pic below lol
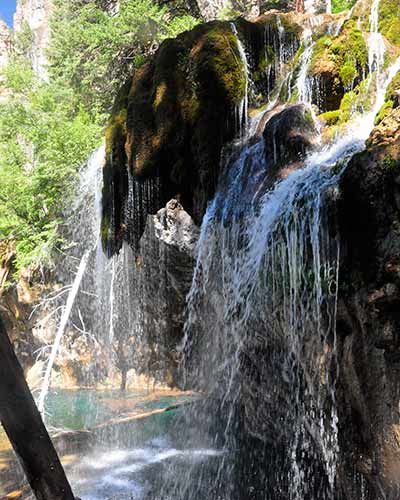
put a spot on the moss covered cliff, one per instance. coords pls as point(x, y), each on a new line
point(171, 121)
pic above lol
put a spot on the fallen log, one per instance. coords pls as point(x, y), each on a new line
point(25, 429)
point(60, 331)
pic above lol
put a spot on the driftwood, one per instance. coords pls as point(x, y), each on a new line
point(60, 331)
point(25, 429)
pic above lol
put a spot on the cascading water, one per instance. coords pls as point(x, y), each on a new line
point(243, 108)
point(260, 334)
point(376, 44)
point(260, 339)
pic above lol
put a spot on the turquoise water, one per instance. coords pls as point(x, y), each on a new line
point(84, 409)
point(124, 459)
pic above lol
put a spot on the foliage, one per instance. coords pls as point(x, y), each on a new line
point(44, 136)
point(341, 5)
point(227, 12)
point(389, 20)
point(49, 128)
point(93, 51)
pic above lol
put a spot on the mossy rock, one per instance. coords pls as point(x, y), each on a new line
point(339, 64)
point(172, 123)
point(341, 5)
point(181, 110)
point(115, 174)
point(392, 100)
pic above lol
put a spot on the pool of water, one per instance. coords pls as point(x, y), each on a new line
point(131, 473)
point(121, 457)
point(84, 409)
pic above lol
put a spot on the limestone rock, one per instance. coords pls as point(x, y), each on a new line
point(166, 263)
point(368, 315)
point(36, 14)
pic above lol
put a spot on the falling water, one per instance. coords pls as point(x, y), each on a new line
point(243, 107)
point(303, 83)
point(260, 338)
point(376, 43)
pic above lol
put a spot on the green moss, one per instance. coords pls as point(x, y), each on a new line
point(393, 90)
point(309, 117)
point(384, 111)
point(115, 130)
point(344, 56)
point(347, 106)
point(341, 5)
point(115, 133)
point(390, 164)
point(320, 51)
point(220, 56)
point(389, 20)
point(330, 117)
point(348, 73)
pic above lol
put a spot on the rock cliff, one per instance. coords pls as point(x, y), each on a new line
point(5, 46)
point(35, 15)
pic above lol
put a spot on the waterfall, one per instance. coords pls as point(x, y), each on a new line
point(260, 337)
point(376, 43)
point(303, 84)
point(259, 345)
point(243, 107)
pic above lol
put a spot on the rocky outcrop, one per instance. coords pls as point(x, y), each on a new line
point(338, 64)
point(213, 9)
point(172, 120)
point(289, 136)
point(35, 15)
point(368, 316)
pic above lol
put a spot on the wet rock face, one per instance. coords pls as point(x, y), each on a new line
point(171, 124)
point(369, 311)
point(171, 121)
point(212, 9)
point(165, 270)
point(289, 135)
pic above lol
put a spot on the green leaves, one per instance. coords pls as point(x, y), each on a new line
point(44, 136)
point(94, 52)
point(48, 129)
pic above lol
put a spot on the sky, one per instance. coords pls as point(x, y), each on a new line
point(7, 9)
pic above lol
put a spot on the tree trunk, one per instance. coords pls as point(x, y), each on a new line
point(26, 431)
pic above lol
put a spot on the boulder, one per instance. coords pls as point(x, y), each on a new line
point(288, 136)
